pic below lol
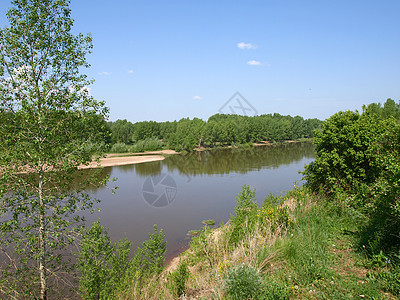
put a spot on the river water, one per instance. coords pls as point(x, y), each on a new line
point(181, 191)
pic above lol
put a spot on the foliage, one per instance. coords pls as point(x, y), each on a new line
point(272, 213)
point(107, 272)
point(152, 253)
point(186, 134)
point(178, 278)
point(119, 148)
point(358, 166)
point(383, 230)
point(245, 217)
point(102, 264)
point(121, 131)
point(359, 155)
point(389, 109)
point(344, 152)
point(189, 134)
point(243, 282)
point(145, 130)
point(148, 144)
point(49, 125)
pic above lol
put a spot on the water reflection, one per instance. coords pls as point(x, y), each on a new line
point(149, 169)
point(225, 161)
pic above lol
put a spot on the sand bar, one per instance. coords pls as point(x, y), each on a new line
point(112, 160)
point(121, 161)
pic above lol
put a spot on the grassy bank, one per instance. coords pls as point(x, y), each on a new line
point(295, 247)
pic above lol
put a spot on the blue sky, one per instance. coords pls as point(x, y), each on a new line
point(165, 60)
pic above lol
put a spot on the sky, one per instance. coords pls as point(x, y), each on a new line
point(166, 60)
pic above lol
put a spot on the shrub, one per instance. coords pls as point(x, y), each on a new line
point(148, 144)
point(245, 218)
point(358, 155)
point(106, 270)
point(178, 278)
point(345, 159)
point(152, 252)
point(243, 282)
point(119, 148)
point(101, 263)
point(272, 213)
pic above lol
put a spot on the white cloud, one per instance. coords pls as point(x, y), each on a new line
point(130, 72)
point(246, 46)
point(197, 98)
point(254, 63)
point(105, 73)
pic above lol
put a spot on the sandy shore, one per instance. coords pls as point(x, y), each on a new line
point(112, 160)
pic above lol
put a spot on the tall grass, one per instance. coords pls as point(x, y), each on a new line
point(301, 248)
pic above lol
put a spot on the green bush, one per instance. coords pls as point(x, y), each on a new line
point(243, 282)
point(358, 155)
point(177, 279)
point(245, 218)
point(106, 270)
point(102, 264)
point(148, 144)
point(344, 148)
point(384, 229)
point(119, 148)
point(151, 253)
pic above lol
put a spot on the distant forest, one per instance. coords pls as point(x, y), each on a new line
point(218, 130)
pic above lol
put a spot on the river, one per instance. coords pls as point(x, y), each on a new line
point(181, 191)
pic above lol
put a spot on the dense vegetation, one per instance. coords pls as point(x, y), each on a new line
point(358, 163)
point(186, 134)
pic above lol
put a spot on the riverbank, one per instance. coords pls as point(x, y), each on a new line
point(306, 248)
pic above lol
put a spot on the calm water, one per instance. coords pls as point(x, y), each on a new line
point(180, 192)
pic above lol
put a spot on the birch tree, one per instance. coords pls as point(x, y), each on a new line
point(49, 125)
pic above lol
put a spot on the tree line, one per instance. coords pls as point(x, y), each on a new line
point(219, 129)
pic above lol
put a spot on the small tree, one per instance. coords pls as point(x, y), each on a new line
point(49, 125)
